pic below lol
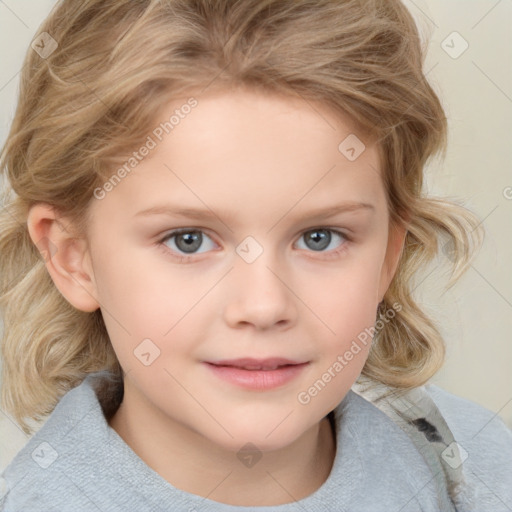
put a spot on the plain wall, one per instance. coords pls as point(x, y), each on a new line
point(476, 90)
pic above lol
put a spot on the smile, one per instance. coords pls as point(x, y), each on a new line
point(257, 374)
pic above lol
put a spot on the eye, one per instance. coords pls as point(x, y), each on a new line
point(187, 241)
point(319, 239)
point(184, 243)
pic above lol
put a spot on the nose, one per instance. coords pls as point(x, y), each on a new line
point(259, 296)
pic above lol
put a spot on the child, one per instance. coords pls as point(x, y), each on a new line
point(169, 163)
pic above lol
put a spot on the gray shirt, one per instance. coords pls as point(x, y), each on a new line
point(77, 463)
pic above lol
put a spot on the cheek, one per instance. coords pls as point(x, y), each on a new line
point(348, 298)
point(352, 323)
point(144, 299)
point(349, 309)
point(135, 284)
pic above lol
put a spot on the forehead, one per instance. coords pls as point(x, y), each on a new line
point(250, 149)
point(284, 125)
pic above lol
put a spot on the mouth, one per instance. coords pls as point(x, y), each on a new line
point(251, 364)
point(257, 374)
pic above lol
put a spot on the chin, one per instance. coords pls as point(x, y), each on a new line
point(264, 437)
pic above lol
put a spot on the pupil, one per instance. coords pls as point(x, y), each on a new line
point(320, 237)
point(189, 242)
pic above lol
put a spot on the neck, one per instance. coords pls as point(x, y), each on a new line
point(206, 469)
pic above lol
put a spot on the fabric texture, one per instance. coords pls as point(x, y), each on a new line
point(76, 462)
point(416, 413)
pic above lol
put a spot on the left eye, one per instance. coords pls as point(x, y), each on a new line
point(187, 242)
point(319, 239)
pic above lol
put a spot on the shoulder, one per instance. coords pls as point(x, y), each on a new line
point(485, 445)
point(40, 476)
point(470, 421)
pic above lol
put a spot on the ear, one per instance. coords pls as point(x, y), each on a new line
point(396, 240)
point(66, 256)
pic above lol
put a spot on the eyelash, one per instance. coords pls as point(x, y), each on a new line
point(188, 258)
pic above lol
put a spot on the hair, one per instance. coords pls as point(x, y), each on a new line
point(96, 96)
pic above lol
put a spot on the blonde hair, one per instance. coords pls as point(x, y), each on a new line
point(96, 96)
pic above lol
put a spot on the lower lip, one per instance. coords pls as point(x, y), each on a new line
point(258, 379)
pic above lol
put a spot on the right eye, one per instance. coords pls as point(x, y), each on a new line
point(186, 241)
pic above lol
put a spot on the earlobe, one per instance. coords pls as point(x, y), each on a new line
point(65, 256)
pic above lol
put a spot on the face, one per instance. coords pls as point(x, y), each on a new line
point(245, 234)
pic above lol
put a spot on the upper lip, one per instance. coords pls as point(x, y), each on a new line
point(250, 363)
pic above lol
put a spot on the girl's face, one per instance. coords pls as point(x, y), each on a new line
point(282, 253)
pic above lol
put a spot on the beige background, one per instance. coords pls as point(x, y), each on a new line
point(476, 89)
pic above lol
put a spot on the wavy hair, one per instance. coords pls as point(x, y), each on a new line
point(95, 97)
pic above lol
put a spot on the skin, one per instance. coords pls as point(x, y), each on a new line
point(260, 163)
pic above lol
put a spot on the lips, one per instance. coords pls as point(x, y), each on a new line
point(257, 374)
point(249, 363)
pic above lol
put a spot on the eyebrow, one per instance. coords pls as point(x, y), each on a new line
point(193, 213)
